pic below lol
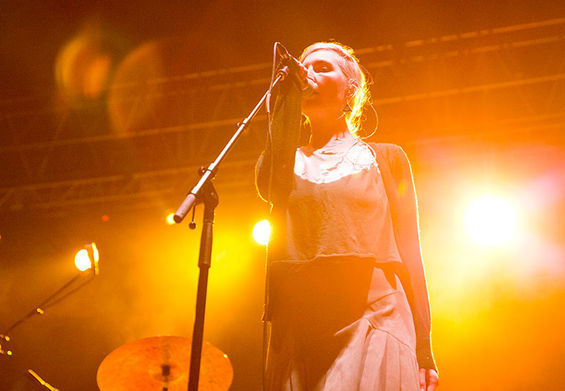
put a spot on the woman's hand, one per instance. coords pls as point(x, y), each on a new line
point(429, 379)
point(302, 71)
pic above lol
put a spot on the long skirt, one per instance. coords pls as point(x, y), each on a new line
point(339, 325)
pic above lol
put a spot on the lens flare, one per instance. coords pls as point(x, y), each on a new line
point(132, 102)
point(83, 66)
point(262, 232)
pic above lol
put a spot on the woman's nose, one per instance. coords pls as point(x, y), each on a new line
point(303, 71)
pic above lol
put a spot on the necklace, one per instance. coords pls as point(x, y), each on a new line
point(336, 146)
point(334, 161)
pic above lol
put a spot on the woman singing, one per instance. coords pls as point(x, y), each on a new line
point(347, 297)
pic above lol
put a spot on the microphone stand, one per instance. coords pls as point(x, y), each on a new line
point(40, 309)
point(48, 302)
point(204, 192)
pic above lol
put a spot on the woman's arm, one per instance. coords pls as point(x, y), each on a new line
point(404, 209)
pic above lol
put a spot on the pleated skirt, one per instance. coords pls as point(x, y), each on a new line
point(341, 325)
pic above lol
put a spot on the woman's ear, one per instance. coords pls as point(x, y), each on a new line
point(351, 89)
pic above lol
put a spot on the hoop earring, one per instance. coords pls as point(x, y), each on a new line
point(370, 104)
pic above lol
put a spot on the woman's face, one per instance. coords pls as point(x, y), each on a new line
point(329, 98)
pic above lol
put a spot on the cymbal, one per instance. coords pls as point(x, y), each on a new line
point(151, 363)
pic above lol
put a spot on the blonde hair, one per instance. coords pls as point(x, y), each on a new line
point(350, 67)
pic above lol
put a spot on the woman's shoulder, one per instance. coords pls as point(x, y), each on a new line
point(387, 147)
point(393, 153)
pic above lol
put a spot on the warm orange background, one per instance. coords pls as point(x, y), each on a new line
point(107, 109)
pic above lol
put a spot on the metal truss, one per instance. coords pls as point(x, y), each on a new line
point(58, 156)
point(118, 191)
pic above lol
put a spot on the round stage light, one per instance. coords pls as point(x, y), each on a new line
point(82, 260)
point(262, 232)
point(490, 221)
point(88, 258)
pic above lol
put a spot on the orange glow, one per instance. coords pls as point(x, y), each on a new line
point(82, 68)
point(96, 75)
point(133, 80)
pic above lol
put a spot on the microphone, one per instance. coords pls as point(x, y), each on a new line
point(307, 86)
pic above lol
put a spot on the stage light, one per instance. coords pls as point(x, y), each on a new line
point(82, 261)
point(171, 219)
point(490, 221)
point(262, 232)
point(87, 258)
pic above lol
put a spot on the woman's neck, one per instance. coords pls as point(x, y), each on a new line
point(326, 131)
